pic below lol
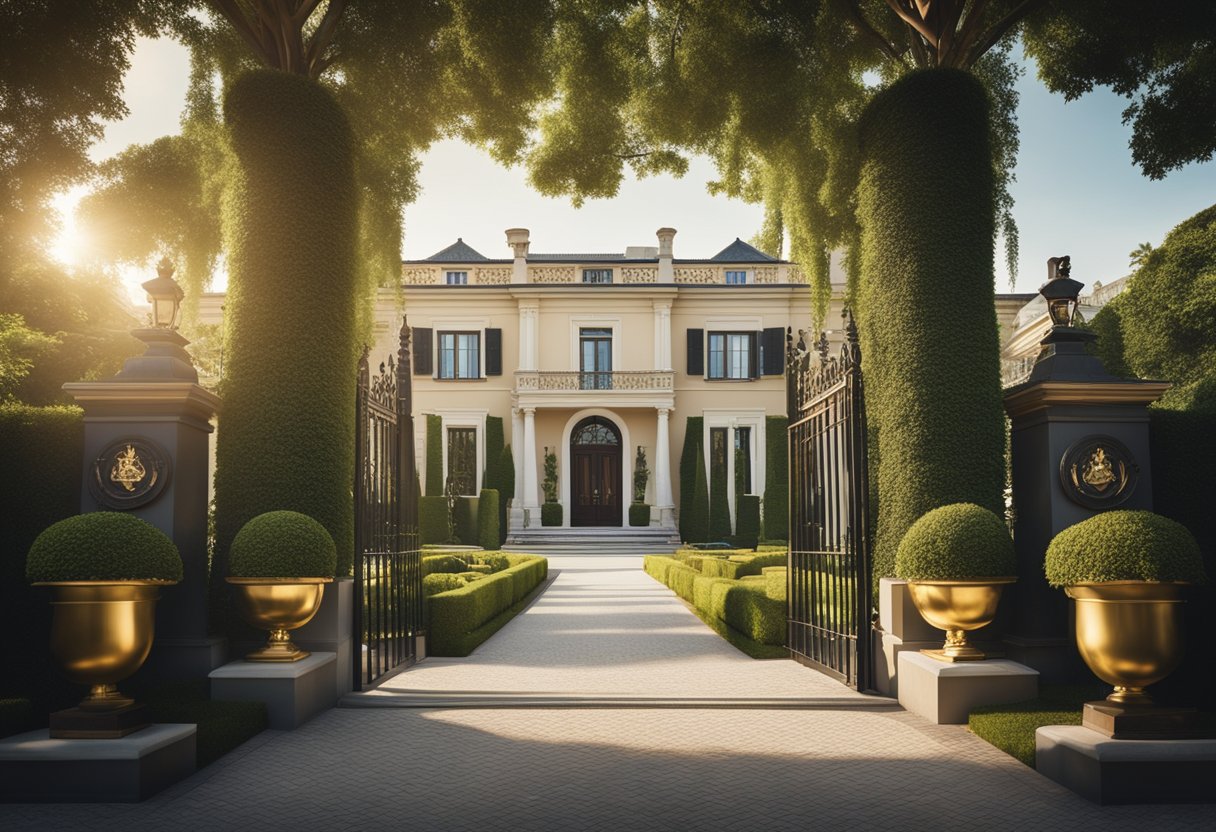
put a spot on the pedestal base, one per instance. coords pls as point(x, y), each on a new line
point(294, 692)
point(81, 724)
point(37, 769)
point(1140, 722)
point(945, 692)
point(1126, 771)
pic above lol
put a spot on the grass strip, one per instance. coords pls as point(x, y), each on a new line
point(1011, 727)
point(222, 726)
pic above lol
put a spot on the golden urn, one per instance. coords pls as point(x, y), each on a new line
point(1129, 633)
point(101, 633)
point(958, 607)
point(279, 605)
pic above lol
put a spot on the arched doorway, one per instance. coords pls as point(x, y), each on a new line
point(595, 473)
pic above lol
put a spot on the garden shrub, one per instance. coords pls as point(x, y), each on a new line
point(222, 726)
point(282, 544)
point(438, 582)
point(551, 514)
point(463, 617)
point(776, 583)
point(434, 455)
point(747, 521)
point(688, 471)
point(443, 563)
point(287, 438)
point(433, 520)
point(103, 546)
point(506, 491)
point(494, 562)
point(956, 542)
point(926, 304)
point(480, 568)
point(487, 519)
point(466, 520)
point(656, 566)
point(639, 514)
point(719, 505)
point(739, 565)
point(472, 576)
point(498, 470)
point(776, 474)
point(1124, 546)
point(697, 525)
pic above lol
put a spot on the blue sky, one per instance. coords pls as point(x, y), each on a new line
point(1076, 193)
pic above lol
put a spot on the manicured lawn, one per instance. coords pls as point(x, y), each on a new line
point(1011, 727)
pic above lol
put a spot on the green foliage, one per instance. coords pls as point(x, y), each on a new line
point(434, 455)
point(494, 562)
point(1011, 727)
point(494, 446)
point(930, 342)
point(19, 347)
point(506, 473)
point(688, 472)
point(437, 582)
point(747, 521)
point(462, 618)
point(698, 522)
point(103, 546)
point(639, 514)
point(443, 563)
point(222, 726)
point(288, 437)
point(1124, 546)
point(282, 544)
point(487, 519)
point(776, 582)
point(776, 477)
point(433, 520)
point(551, 514)
point(1107, 324)
point(549, 485)
point(719, 503)
point(956, 543)
point(737, 566)
point(465, 519)
point(641, 476)
point(497, 476)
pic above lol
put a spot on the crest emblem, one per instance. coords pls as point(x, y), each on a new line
point(128, 473)
point(1098, 472)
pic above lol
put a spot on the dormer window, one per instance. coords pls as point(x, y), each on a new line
point(597, 275)
point(458, 278)
point(735, 278)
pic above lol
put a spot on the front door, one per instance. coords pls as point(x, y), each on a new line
point(595, 471)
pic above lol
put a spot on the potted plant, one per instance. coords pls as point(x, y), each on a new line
point(639, 509)
point(106, 569)
point(956, 560)
point(551, 511)
point(1126, 571)
point(279, 563)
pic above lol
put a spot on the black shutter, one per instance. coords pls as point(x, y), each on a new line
point(493, 352)
point(424, 364)
point(753, 356)
point(696, 352)
point(773, 351)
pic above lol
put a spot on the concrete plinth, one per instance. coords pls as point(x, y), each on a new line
point(945, 692)
point(331, 631)
point(1127, 771)
point(37, 769)
point(294, 692)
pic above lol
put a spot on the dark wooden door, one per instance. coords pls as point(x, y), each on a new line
point(595, 473)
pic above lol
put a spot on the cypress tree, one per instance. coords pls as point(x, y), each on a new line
point(698, 514)
point(688, 470)
point(719, 502)
point(776, 478)
point(434, 455)
point(506, 473)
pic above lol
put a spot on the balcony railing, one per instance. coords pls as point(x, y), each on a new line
point(567, 380)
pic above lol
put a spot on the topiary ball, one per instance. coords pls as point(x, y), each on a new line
point(958, 542)
point(282, 544)
point(1124, 546)
point(103, 546)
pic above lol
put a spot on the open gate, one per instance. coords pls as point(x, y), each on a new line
point(830, 606)
point(388, 559)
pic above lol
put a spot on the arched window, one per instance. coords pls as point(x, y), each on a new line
point(595, 431)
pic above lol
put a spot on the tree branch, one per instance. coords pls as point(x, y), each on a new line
point(322, 38)
point(915, 22)
point(998, 31)
point(853, 10)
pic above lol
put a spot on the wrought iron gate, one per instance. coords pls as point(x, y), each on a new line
point(830, 607)
point(388, 560)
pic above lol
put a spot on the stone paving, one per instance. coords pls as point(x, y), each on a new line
point(609, 768)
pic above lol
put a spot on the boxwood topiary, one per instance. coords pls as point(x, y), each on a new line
point(551, 514)
point(103, 546)
point(957, 542)
point(438, 582)
point(1124, 546)
point(639, 514)
point(282, 544)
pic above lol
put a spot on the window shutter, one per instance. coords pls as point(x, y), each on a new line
point(753, 356)
point(773, 351)
point(493, 352)
point(424, 364)
point(696, 352)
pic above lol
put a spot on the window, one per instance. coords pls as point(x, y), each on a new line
point(732, 354)
point(462, 278)
point(595, 358)
point(597, 275)
point(743, 461)
point(460, 355)
point(462, 460)
point(736, 278)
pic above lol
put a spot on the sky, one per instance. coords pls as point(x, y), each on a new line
point(1076, 193)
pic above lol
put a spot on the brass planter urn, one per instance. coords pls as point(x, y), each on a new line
point(278, 605)
point(958, 607)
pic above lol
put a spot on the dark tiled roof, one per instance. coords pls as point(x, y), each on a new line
point(457, 252)
point(741, 252)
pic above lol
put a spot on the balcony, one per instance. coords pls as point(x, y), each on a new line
point(558, 388)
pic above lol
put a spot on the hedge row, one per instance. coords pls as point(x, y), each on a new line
point(747, 521)
point(487, 519)
point(461, 619)
point(738, 566)
point(776, 478)
point(719, 502)
point(688, 471)
point(433, 520)
point(434, 455)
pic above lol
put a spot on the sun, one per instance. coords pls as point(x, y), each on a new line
point(71, 244)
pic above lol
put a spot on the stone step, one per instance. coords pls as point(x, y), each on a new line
point(478, 700)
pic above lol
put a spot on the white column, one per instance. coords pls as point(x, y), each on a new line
point(662, 471)
point(666, 267)
point(517, 452)
point(662, 335)
point(517, 239)
point(530, 459)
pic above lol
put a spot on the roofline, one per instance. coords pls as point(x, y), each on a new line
point(576, 261)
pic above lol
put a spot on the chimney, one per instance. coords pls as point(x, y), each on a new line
point(517, 239)
point(666, 270)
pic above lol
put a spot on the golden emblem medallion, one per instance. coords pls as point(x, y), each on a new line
point(128, 470)
point(128, 473)
point(1098, 472)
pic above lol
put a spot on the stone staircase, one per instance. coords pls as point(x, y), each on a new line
point(629, 540)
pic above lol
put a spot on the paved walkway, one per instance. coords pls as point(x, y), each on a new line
point(614, 768)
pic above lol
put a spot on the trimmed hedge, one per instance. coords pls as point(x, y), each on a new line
point(697, 525)
point(738, 566)
point(639, 514)
point(222, 726)
point(927, 315)
point(433, 520)
point(103, 546)
point(776, 583)
point(776, 478)
point(286, 437)
point(443, 563)
point(438, 582)
point(434, 455)
point(747, 521)
point(551, 514)
point(1124, 546)
point(466, 520)
point(956, 543)
point(282, 544)
point(506, 492)
point(498, 470)
point(462, 618)
point(487, 519)
point(694, 427)
point(719, 503)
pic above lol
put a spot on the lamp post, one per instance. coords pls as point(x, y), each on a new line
point(1064, 356)
point(165, 358)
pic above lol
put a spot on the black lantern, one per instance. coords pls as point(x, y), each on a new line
point(165, 296)
point(1061, 291)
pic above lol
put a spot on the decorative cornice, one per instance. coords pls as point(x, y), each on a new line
point(1030, 397)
